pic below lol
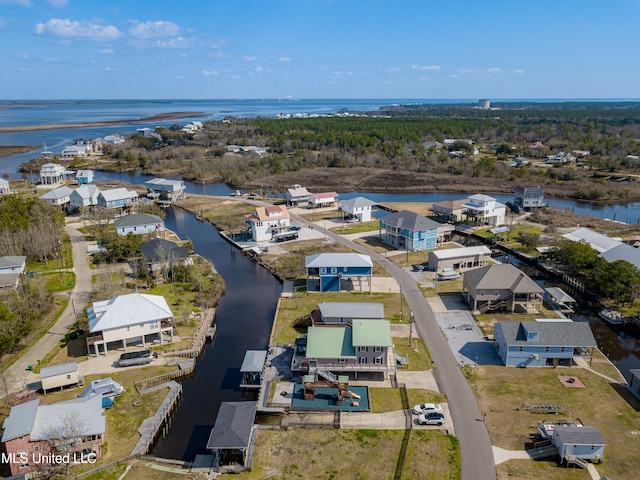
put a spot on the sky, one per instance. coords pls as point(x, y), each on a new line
point(237, 49)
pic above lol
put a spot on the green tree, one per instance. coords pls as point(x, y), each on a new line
point(616, 279)
point(577, 256)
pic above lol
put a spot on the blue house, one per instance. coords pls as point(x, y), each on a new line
point(84, 177)
point(545, 342)
point(335, 272)
point(117, 198)
point(411, 231)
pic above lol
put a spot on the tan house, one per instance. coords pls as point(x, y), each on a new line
point(60, 376)
point(449, 210)
point(501, 287)
point(134, 318)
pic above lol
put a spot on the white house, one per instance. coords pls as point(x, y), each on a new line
point(358, 208)
point(586, 443)
point(4, 186)
point(297, 196)
point(324, 199)
point(139, 224)
point(59, 197)
point(60, 376)
point(84, 196)
point(165, 189)
point(11, 264)
point(127, 319)
point(52, 174)
point(484, 209)
point(79, 149)
point(265, 222)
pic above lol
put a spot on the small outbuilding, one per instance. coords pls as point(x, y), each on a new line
point(60, 376)
point(586, 443)
point(459, 258)
point(231, 436)
point(252, 367)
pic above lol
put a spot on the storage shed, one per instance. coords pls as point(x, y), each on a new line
point(586, 443)
point(60, 376)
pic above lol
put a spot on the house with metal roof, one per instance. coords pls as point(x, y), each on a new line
point(411, 231)
point(134, 318)
point(297, 196)
point(52, 174)
point(336, 272)
point(527, 198)
point(544, 342)
point(12, 264)
point(29, 427)
point(623, 251)
point(344, 313)
point(359, 208)
point(84, 177)
point(139, 224)
point(232, 435)
point(60, 197)
point(323, 199)
point(459, 258)
point(84, 196)
point(252, 368)
point(266, 222)
point(60, 376)
point(501, 287)
point(573, 441)
point(117, 198)
point(597, 241)
point(365, 346)
point(484, 210)
point(166, 190)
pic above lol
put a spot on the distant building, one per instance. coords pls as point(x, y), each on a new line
point(117, 198)
point(12, 264)
point(484, 104)
point(527, 198)
point(359, 208)
point(52, 174)
point(296, 196)
point(139, 224)
point(459, 258)
point(343, 313)
point(324, 199)
point(4, 187)
point(335, 272)
point(60, 197)
point(84, 177)
point(59, 376)
point(449, 210)
point(485, 210)
point(84, 196)
point(411, 231)
point(166, 190)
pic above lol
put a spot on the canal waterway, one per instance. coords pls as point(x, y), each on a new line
point(244, 318)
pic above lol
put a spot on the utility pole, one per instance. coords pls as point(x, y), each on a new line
point(411, 320)
point(400, 303)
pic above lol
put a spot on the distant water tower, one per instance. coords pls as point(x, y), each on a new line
point(484, 103)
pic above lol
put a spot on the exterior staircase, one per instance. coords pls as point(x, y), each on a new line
point(543, 452)
point(495, 306)
point(327, 376)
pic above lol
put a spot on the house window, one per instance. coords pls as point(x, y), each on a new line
point(546, 349)
point(521, 349)
point(334, 270)
point(482, 293)
point(36, 448)
point(342, 360)
point(258, 224)
point(68, 377)
point(363, 360)
point(344, 269)
point(377, 349)
point(323, 270)
point(128, 328)
point(142, 325)
point(563, 349)
point(377, 360)
point(363, 349)
point(154, 324)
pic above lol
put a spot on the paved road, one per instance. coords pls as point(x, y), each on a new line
point(475, 445)
point(18, 376)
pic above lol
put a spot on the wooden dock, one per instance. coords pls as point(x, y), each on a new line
point(206, 331)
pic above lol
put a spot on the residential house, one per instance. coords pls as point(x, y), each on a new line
point(114, 139)
point(52, 174)
point(145, 131)
point(139, 224)
point(78, 149)
point(335, 272)
point(10, 280)
point(12, 264)
point(358, 208)
point(411, 231)
point(126, 319)
point(247, 149)
point(29, 427)
point(4, 187)
point(84, 177)
point(60, 376)
point(596, 240)
point(544, 342)
point(485, 210)
point(252, 368)
point(449, 210)
point(432, 144)
point(527, 198)
point(84, 196)
point(459, 258)
point(232, 434)
point(166, 190)
point(324, 199)
point(265, 222)
point(344, 313)
point(577, 441)
point(161, 255)
point(623, 251)
point(296, 196)
point(60, 197)
point(117, 198)
point(365, 346)
point(451, 141)
point(560, 158)
point(501, 287)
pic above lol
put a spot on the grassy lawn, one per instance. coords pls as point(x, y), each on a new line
point(487, 321)
point(614, 411)
point(293, 312)
point(326, 454)
point(385, 400)
point(359, 227)
point(433, 454)
point(420, 360)
point(420, 395)
point(226, 214)
point(453, 287)
point(374, 243)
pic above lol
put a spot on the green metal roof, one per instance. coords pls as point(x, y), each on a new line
point(330, 342)
point(371, 333)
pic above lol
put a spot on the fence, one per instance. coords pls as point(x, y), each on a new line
point(206, 330)
point(404, 448)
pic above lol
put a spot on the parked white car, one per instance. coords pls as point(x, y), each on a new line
point(431, 418)
point(427, 408)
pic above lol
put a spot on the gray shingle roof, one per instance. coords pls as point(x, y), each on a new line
point(253, 361)
point(137, 219)
point(579, 435)
point(160, 250)
point(338, 260)
point(501, 277)
point(233, 426)
point(358, 202)
point(411, 221)
point(561, 333)
point(360, 310)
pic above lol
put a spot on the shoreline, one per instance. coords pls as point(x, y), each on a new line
point(156, 117)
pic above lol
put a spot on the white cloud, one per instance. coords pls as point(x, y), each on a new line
point(107, 69)
point(217, 43)
point(81, 30)
point(107, 51)
point(494, 70)
point(210, 73)
point(249, 58)
point(394, 69)
point(178, 42)
point(179, 77)
point(284, 58)
point(52, 59)
point(518, 71)
point(24, 70)
point(218, 54)
point(22, 3)
point(147, 30)
point(58, 3)
point(257, 69)
point(426, 68)
point(24, 56)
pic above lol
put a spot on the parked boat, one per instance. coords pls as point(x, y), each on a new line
point(447, 274)
point(611, 316)
point(141, 357)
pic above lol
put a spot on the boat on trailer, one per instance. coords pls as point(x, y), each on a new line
point(611, 316)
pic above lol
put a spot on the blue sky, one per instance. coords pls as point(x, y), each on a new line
point(82, 49)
